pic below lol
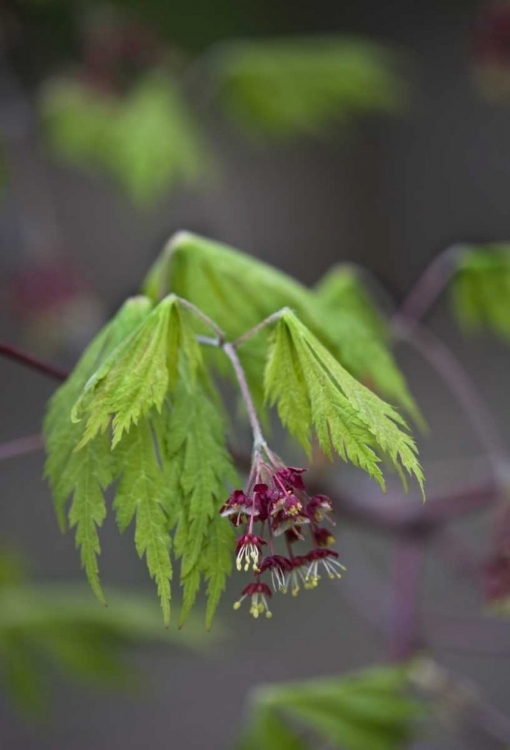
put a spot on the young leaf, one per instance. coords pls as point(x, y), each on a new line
point(59, 624)
point(138, 374)
point(268, 731)
point(141, 491)
point(147, 140)
point(281, 88)
point(361, 335)
point(353, 713)
point(195, 442)
point(217, 563)
point(348, 418)
point(155, 141)
point(84, 476)
point(481, 289)
point(238, 292)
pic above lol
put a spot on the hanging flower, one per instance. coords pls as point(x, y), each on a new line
point(326, 558)
point(248, 551)
point(259, 593)
point(275, 505)
point(279, 568)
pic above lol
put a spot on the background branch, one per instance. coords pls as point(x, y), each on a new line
point(33, 362)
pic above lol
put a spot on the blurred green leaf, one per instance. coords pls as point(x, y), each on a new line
point(367, 711)
point(61, 626)
point(481, 289)
point(147, 141)
point(281, 88)
point(155, 142)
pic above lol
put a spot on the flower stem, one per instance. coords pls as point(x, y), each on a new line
point(209, 322)
point(260, 326)
point(33, 362)
point(258, 437)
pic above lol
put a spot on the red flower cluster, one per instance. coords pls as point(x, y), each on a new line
point(277, 503)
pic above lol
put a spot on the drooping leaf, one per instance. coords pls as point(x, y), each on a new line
point(195, 443)
point(238, 292)
point(361, 335)
point(141, 492)
point(284, 88)
point(348, 418)
point(481, 289)
point(355, 712)
point(138, 374)
point(84, 476)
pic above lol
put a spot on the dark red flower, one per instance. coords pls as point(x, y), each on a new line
point(323, 537)
point(248, 549)
point(259, 593)
point(264, 499)
point(290, 476)
point(318, 507)
point(328, 559)
point(275, 503)
point(279, 568)
point(237, 508)
point(497, 578)
point(296, 577)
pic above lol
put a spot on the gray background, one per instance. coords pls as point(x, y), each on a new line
point(390, 195)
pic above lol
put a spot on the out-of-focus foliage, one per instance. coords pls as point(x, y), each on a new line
point(44, 627)
point(370, 710)
point(147, 141)
point(280, 88)
point(481, 289)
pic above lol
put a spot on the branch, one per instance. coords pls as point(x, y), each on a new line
point(404, 625)
point(21, 446)
point(260, 326)
point(451, 371)
point(428, 288)
point(33, 362)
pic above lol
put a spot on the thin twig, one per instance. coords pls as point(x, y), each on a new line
point(209, 322)
point(259, 327)
point(21, 446)
point(428, 288)
point(258, 437)
point(33, 362)
point(451, 371)
point(403, 636)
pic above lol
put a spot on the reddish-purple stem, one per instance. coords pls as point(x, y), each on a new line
point(21, 446)
point(33, 362)
point(404, 637)
point(428, 288)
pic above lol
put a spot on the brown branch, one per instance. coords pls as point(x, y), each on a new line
point(21, 446)
point(33, 362)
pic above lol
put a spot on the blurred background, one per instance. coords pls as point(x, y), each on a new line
point(305, 134)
